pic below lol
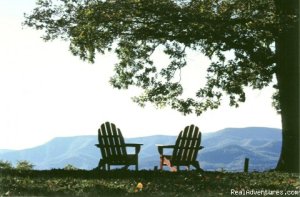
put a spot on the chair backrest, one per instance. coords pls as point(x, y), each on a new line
point(187, 145)
point(111, 141)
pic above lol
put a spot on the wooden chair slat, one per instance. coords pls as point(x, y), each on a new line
point(104, 131)
point(191, 156)
point(116, 139)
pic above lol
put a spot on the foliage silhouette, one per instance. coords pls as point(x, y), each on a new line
point(5, 165)
point(24, 165)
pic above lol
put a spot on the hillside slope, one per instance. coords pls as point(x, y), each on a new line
point(225, 149)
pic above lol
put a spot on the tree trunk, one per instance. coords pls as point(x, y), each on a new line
point(287, 73)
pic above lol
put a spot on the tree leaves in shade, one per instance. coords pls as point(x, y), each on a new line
point(138, 28)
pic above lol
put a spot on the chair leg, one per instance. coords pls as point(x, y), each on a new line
point(101, 165)
point(197, 166)
point(161, 162)
point(137, 165)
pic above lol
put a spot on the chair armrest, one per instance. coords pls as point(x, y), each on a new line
point(98, 145)
point(136, 146)
point(161, 148)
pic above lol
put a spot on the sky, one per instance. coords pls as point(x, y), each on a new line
point(46, 92)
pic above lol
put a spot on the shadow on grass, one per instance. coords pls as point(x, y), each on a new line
point(96, 174)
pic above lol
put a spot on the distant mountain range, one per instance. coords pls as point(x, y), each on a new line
point(224, 150)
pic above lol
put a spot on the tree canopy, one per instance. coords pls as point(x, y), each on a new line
point(134, 29)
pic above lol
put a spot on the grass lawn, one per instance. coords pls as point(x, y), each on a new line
point(146, 183)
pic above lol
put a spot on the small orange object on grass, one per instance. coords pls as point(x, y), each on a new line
point(139, 187)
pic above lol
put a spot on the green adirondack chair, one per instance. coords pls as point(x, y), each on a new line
point(113, 148)
point(185, 150)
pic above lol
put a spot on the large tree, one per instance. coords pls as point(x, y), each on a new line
point(250, 43)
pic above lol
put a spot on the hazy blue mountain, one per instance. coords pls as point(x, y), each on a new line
point(79, 151)
point(225, 149)
point(250, 136)
point(5, 150)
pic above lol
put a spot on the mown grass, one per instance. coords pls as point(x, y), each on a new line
point(154, 183)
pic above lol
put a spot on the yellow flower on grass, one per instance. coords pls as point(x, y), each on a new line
point(139, 187)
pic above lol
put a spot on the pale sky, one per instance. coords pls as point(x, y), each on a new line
point(46, 92)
